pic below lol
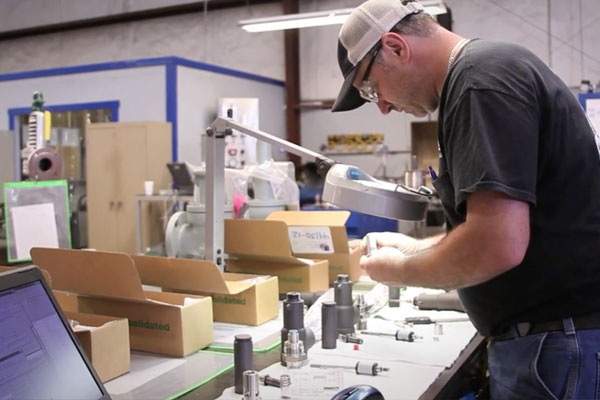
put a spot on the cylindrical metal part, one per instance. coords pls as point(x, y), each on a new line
point(329, 325)
point(294, 355)
point(343, 300)
point(293, 318)
point(394, 296)
point(268, 380)
point(442, 301)
point(286, 386)
point(405, 335)
point(242, 359)
point(366, 368)
point(350, 339)
point(251, 384)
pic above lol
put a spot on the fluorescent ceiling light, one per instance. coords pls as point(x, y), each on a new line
point(319, 18)
point(292, 21)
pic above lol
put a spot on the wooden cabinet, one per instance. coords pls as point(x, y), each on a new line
point(120, 156)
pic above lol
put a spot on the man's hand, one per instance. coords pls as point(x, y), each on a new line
point(384, 265)
point(404, 243)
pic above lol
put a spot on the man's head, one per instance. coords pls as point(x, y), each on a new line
point(370, 44)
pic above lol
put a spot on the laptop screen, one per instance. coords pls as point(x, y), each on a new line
point(38, 357)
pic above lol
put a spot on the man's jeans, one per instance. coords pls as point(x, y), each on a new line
point(550, 365)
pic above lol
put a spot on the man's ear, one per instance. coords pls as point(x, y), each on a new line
point(396, 44)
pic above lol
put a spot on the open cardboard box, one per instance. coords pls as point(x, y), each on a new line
point(105, 341)
point(322, 234)
point(108, 284)
point(237, 298)
point(262, 247)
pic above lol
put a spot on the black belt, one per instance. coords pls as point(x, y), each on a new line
point(589, 321)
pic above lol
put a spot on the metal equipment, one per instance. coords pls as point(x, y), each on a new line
point(362, 312)
point(440, 302)
point(250, 385)
point(329, 325)
point(39, 162)
point(404, 335)
point(293, 319)
point(294, 355)
point(242, 359)
point(345, 185)
point(361, 367)
point(394, 296)
point(428, 320)
point(268, 380)
point(343, 300)
point(350, 339)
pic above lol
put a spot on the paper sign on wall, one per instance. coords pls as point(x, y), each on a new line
point(34, 226)
point(311, 239)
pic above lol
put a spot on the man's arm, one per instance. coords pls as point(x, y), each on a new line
point(492, 240)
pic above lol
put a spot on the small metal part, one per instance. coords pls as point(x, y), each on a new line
point(350, 339)
point(250, 387)
point(361, 367)
point(268, 380)
point(394, 296)
point(293, 351)
point(438, 329)
point(404, 335)
point(371, 244)
point(286, 386)
point(362, 312)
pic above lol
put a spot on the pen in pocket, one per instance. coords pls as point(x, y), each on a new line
point(432, 173)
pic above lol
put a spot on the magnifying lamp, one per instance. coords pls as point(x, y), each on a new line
point(345, 185)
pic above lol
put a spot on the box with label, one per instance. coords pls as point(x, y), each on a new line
point(105, 341)
point(262, 247)
point(237, 298)
point(322, 234)
point(109, 284)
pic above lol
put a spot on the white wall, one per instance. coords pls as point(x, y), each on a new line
point(198, 92)
point(141, 92)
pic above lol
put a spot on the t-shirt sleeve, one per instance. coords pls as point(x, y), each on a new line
point(491, 144)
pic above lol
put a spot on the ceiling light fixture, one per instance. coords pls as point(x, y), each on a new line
point(318, 18)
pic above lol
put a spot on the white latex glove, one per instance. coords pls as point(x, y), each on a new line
point(404, 243)
point(383, 265)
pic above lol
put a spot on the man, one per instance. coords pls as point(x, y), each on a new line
point(519, 179)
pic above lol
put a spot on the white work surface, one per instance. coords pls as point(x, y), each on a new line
point(154, 376)
point(414, 366)
point(264, 336)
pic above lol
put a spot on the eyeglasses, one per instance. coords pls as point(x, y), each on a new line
point(366, 89)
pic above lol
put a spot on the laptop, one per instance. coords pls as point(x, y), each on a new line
point(182, 179)
point(40, 358)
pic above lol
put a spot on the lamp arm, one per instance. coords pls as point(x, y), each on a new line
point(221, 124)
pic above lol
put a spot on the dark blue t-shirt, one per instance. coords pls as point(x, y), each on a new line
point(507, 123)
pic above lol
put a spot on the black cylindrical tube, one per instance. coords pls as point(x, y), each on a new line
point(293, 318)
point(343, 300)
point(242, 359)
point(329, 325)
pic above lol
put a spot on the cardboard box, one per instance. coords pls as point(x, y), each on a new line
point(262, 247)
point(105, 341)
point(329, 225)
point(235, 299)
point(108, 284)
